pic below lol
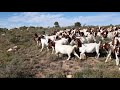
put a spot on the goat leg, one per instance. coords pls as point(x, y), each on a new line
point(117, 59)
point(41, 48)
point(68, 57)
point(37, 43)
point(108, 56)
point(47, 49)
point(98, 54)
point(53, 50)
point(76, 54)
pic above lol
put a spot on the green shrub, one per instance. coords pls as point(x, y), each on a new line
point(14, 40)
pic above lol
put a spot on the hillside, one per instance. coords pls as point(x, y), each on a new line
point(28, 62)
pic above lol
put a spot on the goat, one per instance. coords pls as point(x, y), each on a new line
point(62, 41)
point(44, 42)
point(53, 37)
point(111, 49)
point(51, 44)
point(36, 37)
point(116, 42)
point(88, 48)
point(66, 49)
point(63, 49)
point(90, 38)
point(111, 35)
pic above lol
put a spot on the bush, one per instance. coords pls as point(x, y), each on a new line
point(16, 68)
point(88, 73)
point(77, 24)
point(14, 40)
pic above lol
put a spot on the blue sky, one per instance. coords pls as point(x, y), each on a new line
point(45, 19)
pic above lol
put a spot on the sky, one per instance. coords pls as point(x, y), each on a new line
point(16, 19)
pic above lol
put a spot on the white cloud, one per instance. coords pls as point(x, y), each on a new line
point(47, 19)
point(33, 17)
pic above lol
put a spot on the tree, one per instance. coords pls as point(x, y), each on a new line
point(56, 24)
point(23, 27)
point(77, 24)
point(111, 25)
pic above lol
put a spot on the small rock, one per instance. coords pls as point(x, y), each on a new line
point(69, 76)
point(15, 47)
point(119, 68)
point(3, 34)
point(9, 50)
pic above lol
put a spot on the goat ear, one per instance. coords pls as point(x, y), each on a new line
point(35, 35)
point(39, 38)
point(42, 36)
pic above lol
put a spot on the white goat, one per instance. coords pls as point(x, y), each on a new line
point(99, 35)
point(66, 49)
point(111, 35)
point(62, 41)
point(44, 42)
point(82, 39)
point(87, 39)
point(53, 37)
point(90, 38)
point(90, 48)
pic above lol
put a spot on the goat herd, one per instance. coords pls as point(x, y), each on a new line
point(69, 41)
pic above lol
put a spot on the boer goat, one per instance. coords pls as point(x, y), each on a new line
point(88, 48)
point(63, 49)
point(112, 50)
point(36, 37)
point(44, 42)
point(66, 49)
